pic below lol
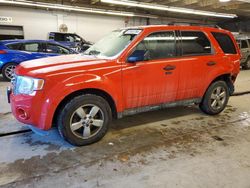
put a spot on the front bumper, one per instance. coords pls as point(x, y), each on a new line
point(28, 109)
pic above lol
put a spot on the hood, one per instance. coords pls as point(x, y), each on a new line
point(58, 64)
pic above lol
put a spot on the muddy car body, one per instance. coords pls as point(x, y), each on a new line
point(131, 70)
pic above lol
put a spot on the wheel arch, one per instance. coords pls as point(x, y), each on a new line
point(228, 78)
point(97, 92)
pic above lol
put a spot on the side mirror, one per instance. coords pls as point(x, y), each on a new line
point(137, 55)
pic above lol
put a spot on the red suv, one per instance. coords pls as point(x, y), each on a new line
point(129, 71)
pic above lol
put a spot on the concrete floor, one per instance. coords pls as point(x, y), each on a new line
point(176, 147)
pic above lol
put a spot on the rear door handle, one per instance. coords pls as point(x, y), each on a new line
point(169, 67)
point(211, 63)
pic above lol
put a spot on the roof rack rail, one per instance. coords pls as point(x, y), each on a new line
point(194, 24)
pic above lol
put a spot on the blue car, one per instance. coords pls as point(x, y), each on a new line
point(13, 52)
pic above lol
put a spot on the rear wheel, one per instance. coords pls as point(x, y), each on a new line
point(8, 71)
point(84, 120)
point(215, 98)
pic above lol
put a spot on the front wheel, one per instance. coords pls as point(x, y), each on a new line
point(215, 98)
point(84, 119)
point(8, 71)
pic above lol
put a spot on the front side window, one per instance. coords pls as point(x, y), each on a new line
point(113, 44)
point(31, 47)
point(56, 49)
point(225, 42)
point(195, 43)
point(158, 45)
point(244, 44)
point(70, 38)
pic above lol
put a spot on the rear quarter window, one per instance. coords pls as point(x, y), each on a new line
point(225, 42)
point(195, 43)
point(15, 46)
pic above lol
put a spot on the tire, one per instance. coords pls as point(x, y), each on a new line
point(210, 103)
point(84, 119)
point(7, 69)
point(246, 65)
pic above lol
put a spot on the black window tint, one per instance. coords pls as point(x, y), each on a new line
point(15, 46)
point(225, 43)
point(158, 45)
point(195, 43)
point(31, 47)
point(56, 49)
point(244, 44)
point(59, 37)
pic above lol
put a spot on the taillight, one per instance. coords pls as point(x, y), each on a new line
point(3, 52)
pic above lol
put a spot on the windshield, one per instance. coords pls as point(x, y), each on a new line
point(113, 43)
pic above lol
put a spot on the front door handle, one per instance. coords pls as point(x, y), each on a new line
point(211, 63)
point(169, 67)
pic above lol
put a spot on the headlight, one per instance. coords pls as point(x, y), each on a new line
point(27, 85)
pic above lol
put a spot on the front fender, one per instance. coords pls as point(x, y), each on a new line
point(62, 89)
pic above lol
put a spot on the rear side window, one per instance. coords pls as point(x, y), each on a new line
point(15, 46)
point(244, 44)
point(225, 43)
point(195, 43)
point(31, 47)
point(59, 37)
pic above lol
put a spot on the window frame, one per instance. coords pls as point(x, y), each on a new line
point(155, 32)
point(191, 55)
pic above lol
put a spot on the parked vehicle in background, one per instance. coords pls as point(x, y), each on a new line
point(70, 40)
point(244, 44)
point(13, 52)
point(129, 71)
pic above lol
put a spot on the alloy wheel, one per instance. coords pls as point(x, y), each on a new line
point(218, 98)
point(9, 71)
point(87, 121)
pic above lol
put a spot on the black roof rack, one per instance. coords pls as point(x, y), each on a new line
point(194, 24)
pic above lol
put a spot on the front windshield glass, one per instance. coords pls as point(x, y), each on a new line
point(113, 44)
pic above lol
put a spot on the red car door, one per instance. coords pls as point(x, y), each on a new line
point(153, 80)
point(197, 59)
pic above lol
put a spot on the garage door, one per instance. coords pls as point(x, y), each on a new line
point(11, 32)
